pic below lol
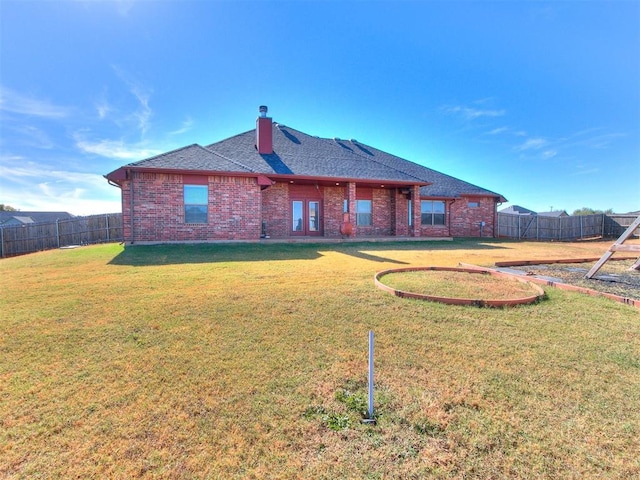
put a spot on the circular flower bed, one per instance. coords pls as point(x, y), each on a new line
point(459, 286)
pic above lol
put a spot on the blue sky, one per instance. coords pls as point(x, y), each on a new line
point(538, 101)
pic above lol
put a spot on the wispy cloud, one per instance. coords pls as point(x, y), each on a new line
point(115, 149)
point(588, 171)
point(187, 125)
point(142, 94)
point(600, 141)
point(15, 102)
point(103, 107)
point(532, 144)
point(124, 6)
point(29, 185)
point(32, 136)
point(471, 113)
point(497, 131)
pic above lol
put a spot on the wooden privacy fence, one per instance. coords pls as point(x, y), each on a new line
point(21, 239)
point(535, 227)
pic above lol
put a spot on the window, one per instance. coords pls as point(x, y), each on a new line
point(432, 212)
point(345, 206)
point(363, 212)
point(195, 203)
point(410, 209)
point(473, 204)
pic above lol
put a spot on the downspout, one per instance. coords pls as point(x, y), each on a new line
point(449, 222)
point(495, 219)
point(130, 175)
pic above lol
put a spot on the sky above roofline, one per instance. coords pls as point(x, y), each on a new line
point(538, 101)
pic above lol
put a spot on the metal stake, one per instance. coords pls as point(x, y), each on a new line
point(371, 418)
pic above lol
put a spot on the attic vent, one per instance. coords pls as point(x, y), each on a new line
point(336, 139)
point(353, 140)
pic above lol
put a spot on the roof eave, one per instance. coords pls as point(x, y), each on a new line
point(121, 174)
point(368, 181)
point(487, 194)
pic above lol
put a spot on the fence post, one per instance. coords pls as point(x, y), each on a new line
point(106, 216)
point(519, 228)
point(581, 234)
point(57, 233)
point(560, 228)
point(1, 242)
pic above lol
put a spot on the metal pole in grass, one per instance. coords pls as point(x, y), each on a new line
point(371, 418)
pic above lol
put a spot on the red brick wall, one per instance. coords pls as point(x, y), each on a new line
point(237, 207)
point(234, 209)
point(466, 218)
point(382, 213)
point(126, 210)
point(275, 210)
point(334, 198)
point(400, 221)
point(463, 220)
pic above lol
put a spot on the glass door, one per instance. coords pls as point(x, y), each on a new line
point(297, 216)
point(305, 217)
point(313, 210)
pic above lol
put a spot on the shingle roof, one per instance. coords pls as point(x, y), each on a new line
point(517, 210)
point(296, 153)
point(192, 157)
point(554, 213)
point(442, 185)
point(23, 218)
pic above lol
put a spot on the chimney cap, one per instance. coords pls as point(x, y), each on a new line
point(263, 110)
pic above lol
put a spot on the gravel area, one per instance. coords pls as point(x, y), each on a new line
point(614, 276)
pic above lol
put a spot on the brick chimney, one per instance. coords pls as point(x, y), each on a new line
point(264, 132)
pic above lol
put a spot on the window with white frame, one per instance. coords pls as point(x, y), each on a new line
point(196, 201)
point(432, 212)
point(363, 212)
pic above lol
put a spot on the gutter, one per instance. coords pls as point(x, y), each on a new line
point(449, 222)
point(112, 183)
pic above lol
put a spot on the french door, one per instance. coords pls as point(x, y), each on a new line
point(306, 217)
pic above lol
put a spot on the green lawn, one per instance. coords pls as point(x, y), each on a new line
point(249, 361)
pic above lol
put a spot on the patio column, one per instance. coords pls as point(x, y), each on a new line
point(401, 207)
point(417, 217)
point(351, 197)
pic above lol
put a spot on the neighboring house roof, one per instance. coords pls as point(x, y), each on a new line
point(555, 213)
point(17, 221)
point(297, 154)
point(10, 218)
point(517, 210)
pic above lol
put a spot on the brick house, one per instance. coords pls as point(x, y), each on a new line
point(278, 182)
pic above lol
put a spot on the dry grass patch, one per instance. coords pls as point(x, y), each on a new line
point(249, 361)
point(459, 284)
